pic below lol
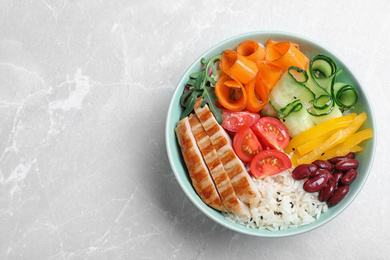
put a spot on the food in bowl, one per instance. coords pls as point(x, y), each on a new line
point(244, 168)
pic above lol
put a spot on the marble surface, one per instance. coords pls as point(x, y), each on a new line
point(84, 91)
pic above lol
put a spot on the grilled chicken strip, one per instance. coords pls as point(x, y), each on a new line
point(198, 171)
point(218, 173)
point(242, 183)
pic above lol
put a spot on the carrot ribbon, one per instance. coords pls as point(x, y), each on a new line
point(258, 69)
point(251, 50)
point(284, 55)
point(268, 75)
point(231, 93)
point(257, 92)
point(238, 67)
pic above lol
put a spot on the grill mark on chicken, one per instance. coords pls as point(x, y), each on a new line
point(198, 171)
point(217, 171)
point(242, 183)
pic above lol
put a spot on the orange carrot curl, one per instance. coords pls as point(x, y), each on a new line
point(284, 55)
point(231, 93)
point(238, 67)
point(268, 75)
point(257, 92)
point(251, 50)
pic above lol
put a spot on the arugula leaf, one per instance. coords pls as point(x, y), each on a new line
point(194, 75)
point(189, 105)
point(209, 99)
point(214, 69)
point(199, 81)
point(213, 81)
point(191, 82)
point(184, 96)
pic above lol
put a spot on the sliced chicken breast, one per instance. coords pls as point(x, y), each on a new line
point(218, 173)
point(198, 171)
point(239, 177)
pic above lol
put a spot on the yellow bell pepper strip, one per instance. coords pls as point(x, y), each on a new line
point(294, 158)
point(337, 138)
point(318, 130)
point(314, 142)
point(356, 149)
point(345, 147)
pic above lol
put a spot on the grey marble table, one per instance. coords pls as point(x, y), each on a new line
point(84, 91)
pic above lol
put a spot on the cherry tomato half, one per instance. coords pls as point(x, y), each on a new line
point(269, 162)
point(245, 144)
point(233, 120)
point(271, 133)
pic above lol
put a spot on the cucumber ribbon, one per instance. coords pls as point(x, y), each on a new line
point(323, 96)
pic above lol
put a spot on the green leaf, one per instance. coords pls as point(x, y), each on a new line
point(199, 81)
point(215, 72)
point(212, 81)
point(191, 82)
point(210, 100)
point(189, 105)
point(211, 89)
point(194, 75)
point(184, 96)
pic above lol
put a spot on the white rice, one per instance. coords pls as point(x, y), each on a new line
point(284, 204)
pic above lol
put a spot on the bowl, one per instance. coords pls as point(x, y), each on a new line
point(310, 48)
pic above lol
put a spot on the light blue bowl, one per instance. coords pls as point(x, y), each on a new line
point(310, 48)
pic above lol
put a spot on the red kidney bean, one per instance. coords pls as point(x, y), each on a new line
point(328, 174)
point(338, 195)
point(317, 183)
point(337, 177)
point(314, 173)
point(349, 176)
point(346, 165)
point(304, 171)
point(336, 159)
point(324, 165)
point(327, 191)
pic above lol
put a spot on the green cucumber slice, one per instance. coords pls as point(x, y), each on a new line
point(345, 95)
point(332, 113)
point(291, 87)
point(296, 118)
point(322, 69)
point(268, 110)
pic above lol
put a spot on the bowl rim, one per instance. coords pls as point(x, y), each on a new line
point(238, 227)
